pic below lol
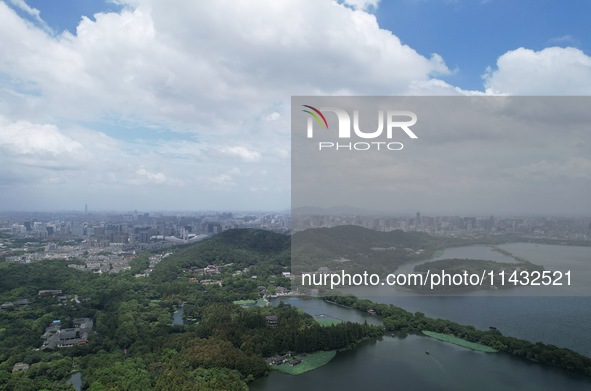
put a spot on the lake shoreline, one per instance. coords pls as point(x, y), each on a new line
point(401, 360)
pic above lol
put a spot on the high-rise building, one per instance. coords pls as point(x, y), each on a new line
point(144, 237)
point(77, 230)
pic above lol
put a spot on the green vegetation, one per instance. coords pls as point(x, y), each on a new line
point(245, 303)
point(135, 346)
point(472, 266)
point(385, 251)
point(502, 251)
point(327, 322)
point(250, 303)
point(459, 341)
point(455, 265)
point(509, 254)
point(309, 362)
point(261, 303)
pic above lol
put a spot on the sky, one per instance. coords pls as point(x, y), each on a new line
point(466, 156)
point(184, 105)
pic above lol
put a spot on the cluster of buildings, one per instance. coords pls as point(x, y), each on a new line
point(8, 305)
point(205, 275)
point(110, 264)
point(55, 336)
point(107, 242)
point(288, 358)
point(105, 229)
point(565, 228)
point(99, 260)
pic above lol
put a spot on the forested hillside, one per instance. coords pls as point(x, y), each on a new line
point(135, 345)
point(356, 248)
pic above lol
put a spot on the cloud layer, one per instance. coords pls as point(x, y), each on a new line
point(191, 101)
point(551, 71)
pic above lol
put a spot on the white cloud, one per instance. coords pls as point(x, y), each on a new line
point(223, 180)
point(574, 168)
point(40, 145)
point(145, 176)
point(274, 116)
point(551, 71)
point(44, 152)
point(436, 87)
point(563, 39)
point(226, 180)
point(220, 76)
point(364, 5)
point(160, 62)
point(243, 153)
point(33, 12)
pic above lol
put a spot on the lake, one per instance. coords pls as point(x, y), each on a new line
point(523, 312)
point(76, 381)
point(560, 320)
point(394, 363)
point(177, 316)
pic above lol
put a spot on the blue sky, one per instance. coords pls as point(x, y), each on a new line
point(66, 14)
point(471, 34)
point(188, 102)
point(468, 34)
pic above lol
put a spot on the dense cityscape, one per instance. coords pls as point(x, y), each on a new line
point(107, 241)
point(555, 228)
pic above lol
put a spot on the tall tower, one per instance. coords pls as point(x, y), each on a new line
point(418, 219)
point(85, 208)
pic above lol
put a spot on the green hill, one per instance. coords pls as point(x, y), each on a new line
point(254, 239)
point(241, 247)
point(357, 248)
point(352, 236)
point(342, 247)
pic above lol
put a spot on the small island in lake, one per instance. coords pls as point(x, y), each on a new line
point(490, 274)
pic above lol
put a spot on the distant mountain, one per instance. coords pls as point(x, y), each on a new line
point(357, 248)
point(356, 237)
point(343, 247)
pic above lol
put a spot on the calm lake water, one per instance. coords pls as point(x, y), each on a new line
point(177, 316)
point(519, 312)
point(576, 259)
point(76, 380)
point(402, 364)
point(394, 363)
